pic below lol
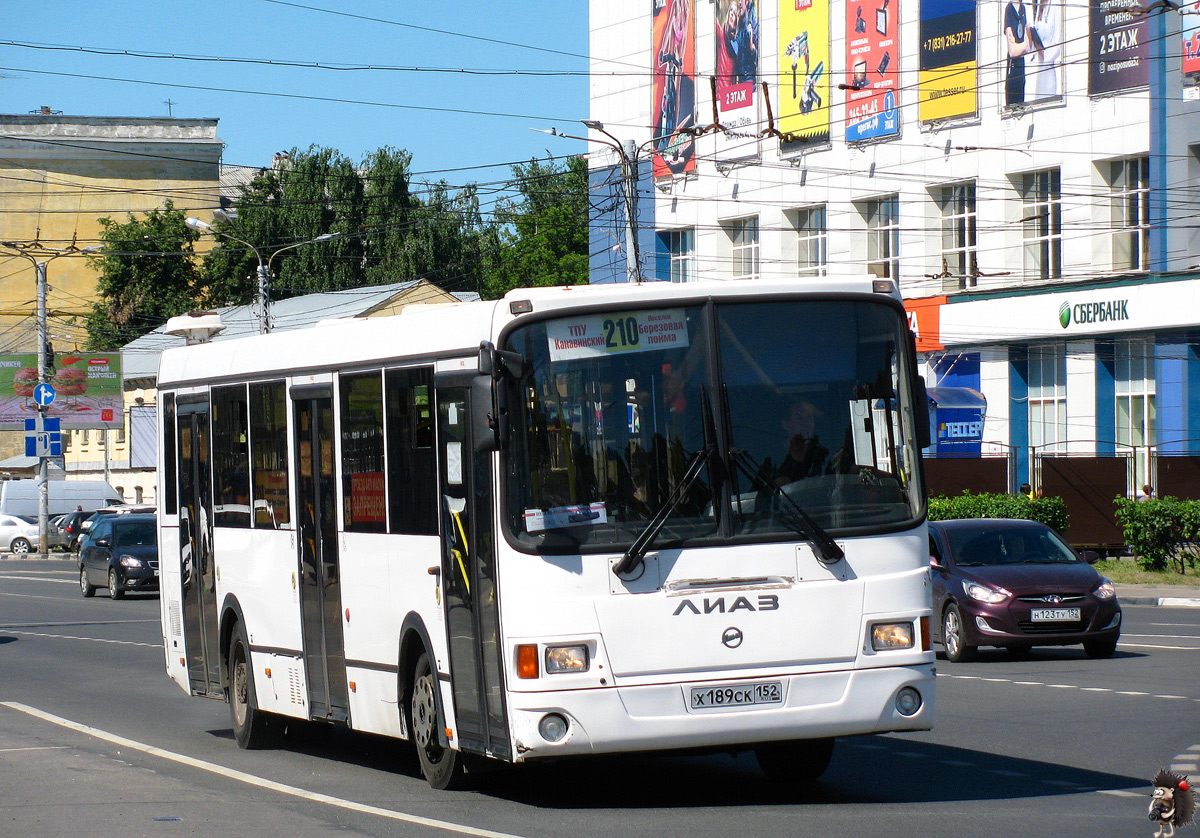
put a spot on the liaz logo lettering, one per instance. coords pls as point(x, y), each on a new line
point(1106, 312)
point(766, 602)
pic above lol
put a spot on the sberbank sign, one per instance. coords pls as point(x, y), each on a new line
point(1109, 311)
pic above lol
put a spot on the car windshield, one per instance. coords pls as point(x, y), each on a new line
point(706, 415)
point(973, 547)
point(134, 534)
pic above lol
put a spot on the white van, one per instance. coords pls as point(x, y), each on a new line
point(20, 497)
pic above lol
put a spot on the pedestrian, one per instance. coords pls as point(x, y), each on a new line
point(1147, 493)
point(1026, 491)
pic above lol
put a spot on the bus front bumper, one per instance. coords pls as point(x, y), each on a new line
point(660, 716)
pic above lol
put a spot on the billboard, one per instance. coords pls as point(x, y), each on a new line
point(737, 77)
point(674, 106)
point(872, 67)
point(949, 65)
point(804, 69)
point(1032, 51)
point(87, 388)
point(1118, 52)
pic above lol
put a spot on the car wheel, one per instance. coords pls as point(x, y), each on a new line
point(442, 767)
point(954, 637)
point(20, 546)
point(1100, 648)
point(252, 728)
point(85, 587)
point(114, 586)
point(800, 761)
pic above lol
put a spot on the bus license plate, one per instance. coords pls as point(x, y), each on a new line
point(763, 693)
point(1054, 615)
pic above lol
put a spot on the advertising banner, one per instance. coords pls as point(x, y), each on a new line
point(804, 69)
point(872, 67)
point(86, 390)
point(674, 62)
point(1032, 50)
point(1190, 18)
point(949, 71)
point(1119, 50)
point(737, 77)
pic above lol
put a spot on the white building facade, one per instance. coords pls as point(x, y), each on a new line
point(1025, 171)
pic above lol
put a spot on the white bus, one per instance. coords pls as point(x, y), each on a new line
point(572, 521)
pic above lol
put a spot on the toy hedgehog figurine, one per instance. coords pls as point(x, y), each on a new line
point(1173, 803)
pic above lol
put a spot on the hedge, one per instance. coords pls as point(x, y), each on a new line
point(1162, 533)
point(1050, 511)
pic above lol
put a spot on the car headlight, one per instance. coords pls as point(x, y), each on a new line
point(566, 659)
point(130, 561)
point(985, 593)
point(1105, 590)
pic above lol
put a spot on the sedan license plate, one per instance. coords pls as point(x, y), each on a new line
point(759, 694)
point(1054, 615)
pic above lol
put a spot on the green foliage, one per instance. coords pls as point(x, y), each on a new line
point(1163, 533)
point(147, 274)
point(1050, 511)
point(543, 237)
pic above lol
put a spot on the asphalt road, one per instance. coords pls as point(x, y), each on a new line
point(94, 739)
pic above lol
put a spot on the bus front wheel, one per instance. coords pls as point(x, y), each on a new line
point(442, 767)
point(799, 761)
point(252, 728)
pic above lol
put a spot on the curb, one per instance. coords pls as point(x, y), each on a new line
point(1164, 601)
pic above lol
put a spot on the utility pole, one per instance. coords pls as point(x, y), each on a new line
point(629, 168)
point(43, 461)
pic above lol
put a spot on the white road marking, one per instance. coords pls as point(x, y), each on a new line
point(1165, 636)
point(42, 748)
point(1122, 793)
point(1149, 646)
point(251, 779)
point(1067, 687)
point(42, 579)
point(72, 637)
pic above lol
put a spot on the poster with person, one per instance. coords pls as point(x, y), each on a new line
point(949, 63)
point(674, 88)
point(1032, 51)
point(872, 69)
point(737, 77)
point(804, 69)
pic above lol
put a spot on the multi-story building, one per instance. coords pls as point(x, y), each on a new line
point(1022, 170)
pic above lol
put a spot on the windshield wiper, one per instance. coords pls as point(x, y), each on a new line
point(827, 550)
point(637, 551)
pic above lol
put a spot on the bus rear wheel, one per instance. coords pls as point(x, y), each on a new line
point(799, 761)
point(441, 767)
point(252, 728)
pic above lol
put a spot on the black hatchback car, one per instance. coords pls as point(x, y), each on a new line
point(1016, 584)
point(121, 554)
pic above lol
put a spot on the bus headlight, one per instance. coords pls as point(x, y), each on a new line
point(566, 659)
point(891, 636)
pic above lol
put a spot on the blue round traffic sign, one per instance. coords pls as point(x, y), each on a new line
point(43, 394)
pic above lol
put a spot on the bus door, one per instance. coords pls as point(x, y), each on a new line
point(317, 549)
point(200, 632)
point(469, 576)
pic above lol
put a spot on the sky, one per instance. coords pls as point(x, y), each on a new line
point(249, 63)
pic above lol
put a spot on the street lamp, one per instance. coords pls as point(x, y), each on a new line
point(628, 153)
point(40, 255)
point(264, 266)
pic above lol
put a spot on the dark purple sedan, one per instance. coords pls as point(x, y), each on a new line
point(1017, 584)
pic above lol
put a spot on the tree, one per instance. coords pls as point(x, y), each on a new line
point(147, 274)
point(542, 237)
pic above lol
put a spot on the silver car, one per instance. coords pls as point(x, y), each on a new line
point(18, 535)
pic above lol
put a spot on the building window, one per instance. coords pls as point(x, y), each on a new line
point(681, 247)
point(1129, 181)
point(882, 217)
point(960, 266)
point(743, 239)
point(1048, 397)
point(137, 494)
point(1041, 222)
point(86, 437)
point(1135, 401)
point(811, 252)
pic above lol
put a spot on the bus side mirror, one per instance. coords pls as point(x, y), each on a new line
point(498, 370)
point(921, 414)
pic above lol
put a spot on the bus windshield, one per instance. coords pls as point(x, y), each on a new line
point(729, 419)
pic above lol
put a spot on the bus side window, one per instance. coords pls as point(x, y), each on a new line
point(231, 456)
point(411, 456)
point(269, 455)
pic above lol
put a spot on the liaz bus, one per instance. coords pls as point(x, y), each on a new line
point(578, 520)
